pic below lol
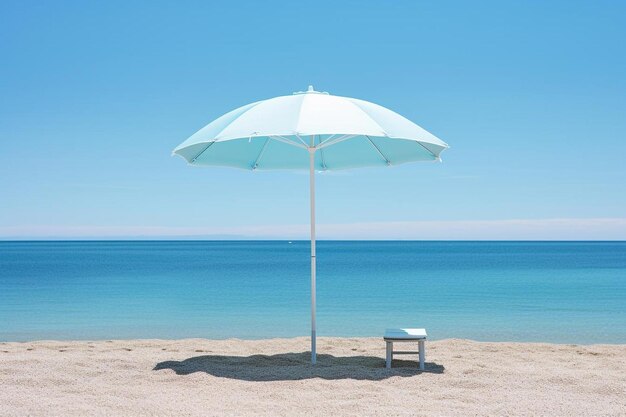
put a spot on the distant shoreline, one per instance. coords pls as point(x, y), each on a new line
point(10, 240)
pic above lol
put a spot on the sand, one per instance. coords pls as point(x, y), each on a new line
point(199, 377)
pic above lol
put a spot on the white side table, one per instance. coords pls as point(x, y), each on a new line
point(406, 335)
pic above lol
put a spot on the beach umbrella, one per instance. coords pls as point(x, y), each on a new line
point(310, 130)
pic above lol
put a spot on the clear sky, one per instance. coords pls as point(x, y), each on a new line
point(531, 96)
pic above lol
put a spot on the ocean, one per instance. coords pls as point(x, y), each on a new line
point(563, 292)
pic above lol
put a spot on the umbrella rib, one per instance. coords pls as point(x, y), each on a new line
point(203, 150)
point(329, 142)
point(327, 139)
point(287, 141)
point(258, 158)
point(322, 158)
point(334, 141)
point(378, 150)
point(427, 150)
point(301, 140)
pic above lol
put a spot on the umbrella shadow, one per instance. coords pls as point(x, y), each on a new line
point(296, 366)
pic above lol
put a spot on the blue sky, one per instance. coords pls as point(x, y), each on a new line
point(530, 95)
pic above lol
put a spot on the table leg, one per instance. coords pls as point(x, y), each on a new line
point(389, 354)
point(422, 347)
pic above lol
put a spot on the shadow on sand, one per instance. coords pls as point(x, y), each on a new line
point(296, 366)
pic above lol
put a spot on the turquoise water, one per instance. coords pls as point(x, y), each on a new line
point(523, 291)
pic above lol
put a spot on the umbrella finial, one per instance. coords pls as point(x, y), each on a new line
point(310, 90)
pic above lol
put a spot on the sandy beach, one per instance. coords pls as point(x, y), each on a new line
point(195, 377)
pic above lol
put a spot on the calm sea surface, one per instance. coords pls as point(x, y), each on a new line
point(572, 292)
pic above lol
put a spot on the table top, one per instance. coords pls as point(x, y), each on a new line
point(405, 334)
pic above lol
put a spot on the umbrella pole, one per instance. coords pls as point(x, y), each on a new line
point(312, 190)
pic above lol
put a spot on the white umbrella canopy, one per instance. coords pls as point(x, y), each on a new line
point(348, 133)
point(315, 131)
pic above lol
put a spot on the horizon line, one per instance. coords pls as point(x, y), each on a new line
point(194, 239)
point(555, 229)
